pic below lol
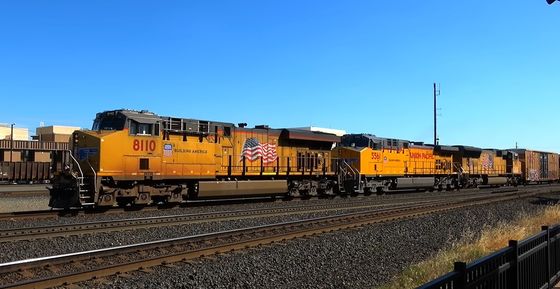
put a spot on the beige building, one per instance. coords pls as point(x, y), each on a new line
point(19, 132)
point(25, 150)
point(56, 133)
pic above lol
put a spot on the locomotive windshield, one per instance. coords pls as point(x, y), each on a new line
point(108, 121)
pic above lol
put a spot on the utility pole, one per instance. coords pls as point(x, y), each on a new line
point(11, 140)
point(436, 93)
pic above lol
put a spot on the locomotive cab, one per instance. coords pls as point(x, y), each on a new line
point(137, 123)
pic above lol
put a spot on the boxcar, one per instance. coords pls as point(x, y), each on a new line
point(538, 166)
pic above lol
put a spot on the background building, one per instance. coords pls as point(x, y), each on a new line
point(56, 133)
point(24, 160)
point(19, 132)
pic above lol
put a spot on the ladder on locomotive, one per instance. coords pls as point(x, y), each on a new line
point(84, 194)
point(346, 172)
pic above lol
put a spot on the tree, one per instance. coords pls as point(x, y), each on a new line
point(550, 1)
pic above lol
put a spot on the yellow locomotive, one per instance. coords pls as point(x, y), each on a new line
point(372, 164)
point(139, 157)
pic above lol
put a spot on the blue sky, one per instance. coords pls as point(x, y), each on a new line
point(362, 66)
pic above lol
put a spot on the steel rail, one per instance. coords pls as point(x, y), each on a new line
point(122, 259)
point(44, 214)
point(29, 233)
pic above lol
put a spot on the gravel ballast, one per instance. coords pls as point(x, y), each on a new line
point(361, 258)
point(60, 245)
point(20, 202)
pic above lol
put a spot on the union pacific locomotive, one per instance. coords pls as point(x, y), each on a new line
point(137, 157)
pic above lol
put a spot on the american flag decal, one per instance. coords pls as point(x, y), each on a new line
point(252, 150)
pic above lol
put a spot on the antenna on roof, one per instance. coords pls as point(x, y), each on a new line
point(437, 92)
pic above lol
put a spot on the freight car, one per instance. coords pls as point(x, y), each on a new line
point(33, 161)
point(538, 166)
point(28, 172)
point(139, 157)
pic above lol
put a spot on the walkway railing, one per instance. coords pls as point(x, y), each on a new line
point(34, 145)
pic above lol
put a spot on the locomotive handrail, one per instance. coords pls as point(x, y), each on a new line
point(94, 177)
point(76, 161)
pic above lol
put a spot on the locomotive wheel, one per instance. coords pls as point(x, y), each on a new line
point(312, 191)
point(142, 199)
point(293, 192)
point(328, 192)
point(106, 200)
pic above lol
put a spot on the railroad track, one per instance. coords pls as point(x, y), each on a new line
point(71, 268)
point(79, 228)
point(47, 214)
point(8, 235)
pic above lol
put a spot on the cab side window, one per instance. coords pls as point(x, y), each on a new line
point(136, 128)
point(133, 127)
point(144, 128)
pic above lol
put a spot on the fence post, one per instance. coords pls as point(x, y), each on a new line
point(461, 268)
point(547, 229)
point(514, 268)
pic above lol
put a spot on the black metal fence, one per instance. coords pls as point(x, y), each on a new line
point(533, 263)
